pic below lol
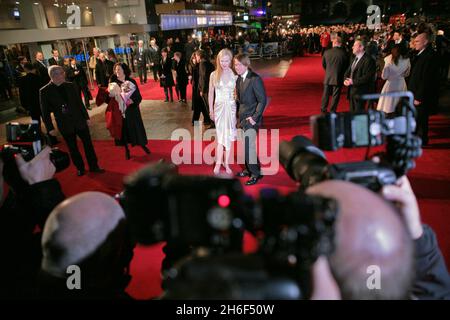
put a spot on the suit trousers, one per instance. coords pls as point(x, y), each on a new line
point(252, 164)
point(200, 107)
point(335, 93)
point(356, 104)
point(142, 70)
point(71, 141)
point(422, 123)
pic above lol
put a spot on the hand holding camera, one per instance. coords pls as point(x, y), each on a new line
point(39, 169)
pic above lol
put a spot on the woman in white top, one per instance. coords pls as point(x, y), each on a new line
point(222, 108)
point(396, 68)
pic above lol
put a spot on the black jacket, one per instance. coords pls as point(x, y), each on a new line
point(363, 75)
point(52, 62)
point(180, 69)
point(154, 55)
point(141, 59)
point(103, 71)
point(424, 79)
point(251, 98)
point(432, 277)
point(204, 72)
point(42, 72)
point(165, 68)
point(79, 79)
point(29, 87)
point(70, 116)
point(335, 63)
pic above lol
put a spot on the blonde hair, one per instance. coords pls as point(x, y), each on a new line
point(219, 70)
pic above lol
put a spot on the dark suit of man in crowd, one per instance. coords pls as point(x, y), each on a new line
point(252, 100)
point(335, 63)
point(62, 99)
point(154, 55)
point(360, 76)
point(55, 60)
point(75, 74)
point(41, 68)
point(29, 86)
point(141, 60)
point(205, 68)
point(103, 70)
point(424, 83)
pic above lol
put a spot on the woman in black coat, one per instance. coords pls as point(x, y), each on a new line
point(133, 131)
point(179, 66)
point(165, 75)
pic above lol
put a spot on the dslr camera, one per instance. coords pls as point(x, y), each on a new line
point(25, 139)
point(306, 163)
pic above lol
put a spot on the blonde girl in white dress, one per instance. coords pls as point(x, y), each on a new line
point(222, 108)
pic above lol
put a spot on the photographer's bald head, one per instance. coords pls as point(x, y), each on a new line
point(368, 232)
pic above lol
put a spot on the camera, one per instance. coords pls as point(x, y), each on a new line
point(306, 163)
point(25, 139)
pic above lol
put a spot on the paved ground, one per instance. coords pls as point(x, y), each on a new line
point(160, 119)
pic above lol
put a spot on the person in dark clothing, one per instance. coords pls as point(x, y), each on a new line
point(179, 66)
point(424, 83)
point(141, 61)
point(62, 99)
point(165, 75)
point(55, 60)
point(335, 63)
point(23, 212)
point(42, 69)
point(133, 130)
point(29, 87)
point(205, 68)
point(198, 104)
point(75, 74)
point(103, 70)
point(154, 58)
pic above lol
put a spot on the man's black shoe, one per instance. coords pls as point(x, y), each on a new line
point(97, 170)
point(146, 150)
point(253, 180)
point(80, 172)
point(243, 174)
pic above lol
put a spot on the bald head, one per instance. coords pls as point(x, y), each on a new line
point(77, 228)
point(369, 232)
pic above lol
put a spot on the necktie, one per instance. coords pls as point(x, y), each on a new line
point(353, 67)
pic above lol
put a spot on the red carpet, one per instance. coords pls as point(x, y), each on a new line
point(293, 100)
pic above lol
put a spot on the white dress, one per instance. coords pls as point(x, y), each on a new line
point(395, 81)
point(225, 110)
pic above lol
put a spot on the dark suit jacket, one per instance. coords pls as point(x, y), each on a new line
point(204, 72)
point(141, 59)
point(103, 71)
point(154, 55)
point(165, 68)
point(180, 68)
point(335, 63)
point(251, 99)
point(29, 87)
point(52, 102)
point(79, 79)
point(424, 80)
point(42, 72)
point(52, 62)
point(363, 75)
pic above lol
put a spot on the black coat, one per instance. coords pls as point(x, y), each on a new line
point(335, 63)
point(180, 68)
point(52, 62)
point(363, 75)
point(79, 79)
point(103, 71)
point(204, 72)
point(69, 119)
point(165, 68)
point(141, 59)
point(29, 87)
point(154, 55)
point(251, 98)
point(42, 72)
point(424, 79)
point(135, 131)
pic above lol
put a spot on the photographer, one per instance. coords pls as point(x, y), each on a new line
point(23, 214)
point(406, 253)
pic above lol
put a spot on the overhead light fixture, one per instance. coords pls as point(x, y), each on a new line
point(36, 3)
point(17, 2)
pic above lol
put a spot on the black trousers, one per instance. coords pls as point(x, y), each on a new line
point(335, 93)
point(356, 104)
point(422, 123)
point(75, 155)
point(168, 91)
point(252, 163)
point(199, 106)
point(181, 88)
point(142, 70)
point(155, 72)
point(86, 94)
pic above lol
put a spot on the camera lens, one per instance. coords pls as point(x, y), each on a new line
point(60, 159)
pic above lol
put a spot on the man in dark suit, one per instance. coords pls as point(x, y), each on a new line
point(41, 68)
point(360, 76)
point(103, 70)
point(141, 61)
point(424, 82)
point(154, 55)
point(29, 86)
point(62, 99)
point(75, 73)
point(335, 63)
point(252, 100)
point(55, 60)
point(205, 68)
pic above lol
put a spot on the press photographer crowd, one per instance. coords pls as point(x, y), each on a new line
point(351, 231)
